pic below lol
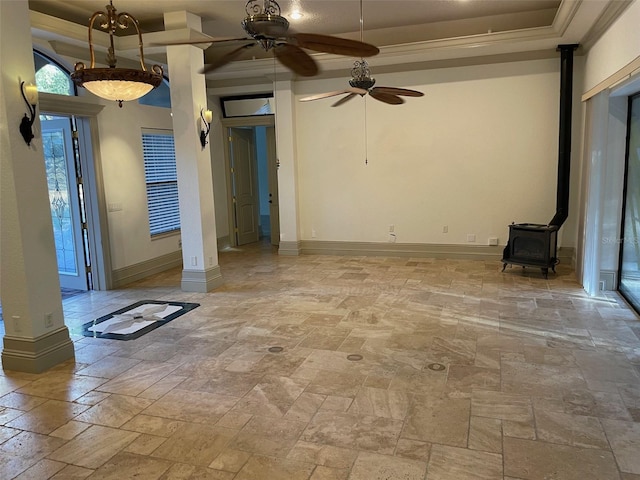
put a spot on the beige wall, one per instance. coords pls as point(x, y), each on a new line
point(124, 181)
point(477, 152)
point(619, 46)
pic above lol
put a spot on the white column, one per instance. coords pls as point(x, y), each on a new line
point(288, 169)
point(201, 272)
point(35, 335)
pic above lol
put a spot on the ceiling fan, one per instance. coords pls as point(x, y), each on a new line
point(270, 30)
point(362, 83)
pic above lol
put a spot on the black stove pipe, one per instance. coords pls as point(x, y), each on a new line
point(564, 141)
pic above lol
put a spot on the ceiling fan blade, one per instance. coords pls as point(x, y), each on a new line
point(296, 59)
point(344, 99)
point(226, 58)
point(336, 45)
point(318, 96)
point(386, 97)
point(398, 91)
point(199, 42)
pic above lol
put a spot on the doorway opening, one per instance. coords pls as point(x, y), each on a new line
point(252, 184)
point(76, 199)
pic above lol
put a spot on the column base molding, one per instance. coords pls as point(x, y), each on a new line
point(201, 281)
point(35, 355)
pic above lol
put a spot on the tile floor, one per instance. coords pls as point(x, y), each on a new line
point(457, 371)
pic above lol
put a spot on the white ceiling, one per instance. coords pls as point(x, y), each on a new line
point(410, 32)
point(221, 18)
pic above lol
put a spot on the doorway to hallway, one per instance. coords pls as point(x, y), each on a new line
point(252, 184)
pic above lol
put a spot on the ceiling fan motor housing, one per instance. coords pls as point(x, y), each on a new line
point(264, 22)
point(265, 26)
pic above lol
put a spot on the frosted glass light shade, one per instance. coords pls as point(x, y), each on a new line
point(119, 84)
point(31, 92)
point(119, 90)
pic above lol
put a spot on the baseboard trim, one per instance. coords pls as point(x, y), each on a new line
point(35, 355)
point(567, 256)
point(609, 279)
point(478, 252)
point(201, 281)
point(133, 273)
point(213, 279)
point(419, 250)
point(223, 242)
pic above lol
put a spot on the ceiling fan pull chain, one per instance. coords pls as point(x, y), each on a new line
point(366, 138)
point(361, 23)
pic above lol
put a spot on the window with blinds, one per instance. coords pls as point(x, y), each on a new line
point(162, 181)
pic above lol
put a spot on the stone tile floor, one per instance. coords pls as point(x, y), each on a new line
point(460, 372)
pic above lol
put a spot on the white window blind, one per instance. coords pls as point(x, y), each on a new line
point(162, 181)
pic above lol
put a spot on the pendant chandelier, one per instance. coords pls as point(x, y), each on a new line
point(112, 83)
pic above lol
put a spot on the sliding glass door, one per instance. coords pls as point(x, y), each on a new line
point(629, 281)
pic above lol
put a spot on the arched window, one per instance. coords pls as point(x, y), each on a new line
point(158, 97)
point(51, 77)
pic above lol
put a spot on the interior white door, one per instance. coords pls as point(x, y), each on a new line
point(64, 198)
point(245, 185)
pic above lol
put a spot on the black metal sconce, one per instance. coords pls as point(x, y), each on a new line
point(30, 95)
point(207, 117)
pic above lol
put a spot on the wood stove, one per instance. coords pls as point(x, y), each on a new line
point(532, 245)
point(535, 245)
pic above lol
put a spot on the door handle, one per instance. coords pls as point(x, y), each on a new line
point(270, 201)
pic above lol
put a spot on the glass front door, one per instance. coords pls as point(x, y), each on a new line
point(629, 281)
point(64, 198)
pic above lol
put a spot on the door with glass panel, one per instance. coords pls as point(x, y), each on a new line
point(65, 201)
point(629, 281)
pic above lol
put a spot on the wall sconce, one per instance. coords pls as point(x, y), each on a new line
point(207, 117)
point(30, 95)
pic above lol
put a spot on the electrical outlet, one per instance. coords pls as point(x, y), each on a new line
point(48, 320)
point(471, 237)
point(493, 240)
point(313, 233)
point(194, 261)
point(392, 238)
point(392, 228)
point(445, 229)
point(16, 322)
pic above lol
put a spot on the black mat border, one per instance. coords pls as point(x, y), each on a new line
point(186, 307)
